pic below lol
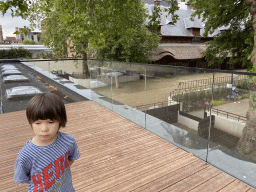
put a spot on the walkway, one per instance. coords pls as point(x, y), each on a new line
point(116, 155)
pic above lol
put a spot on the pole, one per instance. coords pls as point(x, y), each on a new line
point(210, 124)
point(145, 97)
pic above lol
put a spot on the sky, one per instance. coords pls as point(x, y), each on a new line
point(8, 24)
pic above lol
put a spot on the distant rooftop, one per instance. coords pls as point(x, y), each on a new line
point(30, 47)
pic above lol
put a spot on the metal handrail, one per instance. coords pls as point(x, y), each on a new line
point(228, 114)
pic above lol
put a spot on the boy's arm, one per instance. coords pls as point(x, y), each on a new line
point(70, 162)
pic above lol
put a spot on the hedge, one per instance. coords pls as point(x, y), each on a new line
point(15, 53)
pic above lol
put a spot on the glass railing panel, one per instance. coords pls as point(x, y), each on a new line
point(175, 106)
point(128, 91)
point(232, 137)
point(47, 76)
point(100, 82)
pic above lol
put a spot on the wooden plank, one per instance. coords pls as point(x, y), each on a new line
point(120, 177)
point(172, 177)
point(194, 180)
point(121, 166)
point(215, 183)
point(157, 174)
point(116, 155)
point(235, 186)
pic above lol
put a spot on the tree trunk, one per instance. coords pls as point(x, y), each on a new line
point(252, 4)
point(247, 144)
point(85, 65)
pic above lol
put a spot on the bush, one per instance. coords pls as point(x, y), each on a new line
point(28, 42)
point(15, 53)
point(215, 103)
point(246, 95)
point(242, 84)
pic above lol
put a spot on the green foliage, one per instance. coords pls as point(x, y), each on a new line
point(48, 55)
point(247, 95)
point(28, 42)
point(24, 30)
point(154, 19)
point(215, 103)
point(242, 84)
point(177, 97)
point(237, 40)
point(115, 29)
point(18, 7)
point(15, 53)
point(126, 37)
point(203, 95)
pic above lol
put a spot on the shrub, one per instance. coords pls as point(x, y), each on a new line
point(15, 53)
point(246, 95)
point(28, 42)
point(242, 84)
point(215, 103)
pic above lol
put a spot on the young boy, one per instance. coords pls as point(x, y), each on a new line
point(44, 161)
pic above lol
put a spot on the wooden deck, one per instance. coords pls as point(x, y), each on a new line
point(116, 155)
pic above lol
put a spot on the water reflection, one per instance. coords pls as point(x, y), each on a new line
point(192, 141)
point(185, 138)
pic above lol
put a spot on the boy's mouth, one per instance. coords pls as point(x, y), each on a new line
point(44, 136)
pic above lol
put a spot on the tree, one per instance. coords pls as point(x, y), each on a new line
point(127, 38)
point(240, 42)
point(113, 28)
point(237, 40)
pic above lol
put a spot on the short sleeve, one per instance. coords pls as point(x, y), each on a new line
point(74, 153)
point(21, 172)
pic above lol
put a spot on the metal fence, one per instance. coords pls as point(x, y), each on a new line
point(208, 82)
point(228, 115)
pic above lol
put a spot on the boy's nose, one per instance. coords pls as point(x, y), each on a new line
point(44, 128)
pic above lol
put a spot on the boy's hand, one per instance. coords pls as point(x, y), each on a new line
point(70, 162)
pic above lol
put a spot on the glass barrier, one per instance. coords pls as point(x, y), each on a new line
point(175, 106)
point(128, 91)
point(232, 148)
point(208, 114)
point(101, 82)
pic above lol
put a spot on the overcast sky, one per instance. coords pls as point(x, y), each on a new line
point(8, 24)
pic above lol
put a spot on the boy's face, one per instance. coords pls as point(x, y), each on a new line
point(45, 131)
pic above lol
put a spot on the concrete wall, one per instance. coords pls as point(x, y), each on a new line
point(38, 52)
point(83, 82)
point(190, 123)
point(233, 127)
point(65, 66)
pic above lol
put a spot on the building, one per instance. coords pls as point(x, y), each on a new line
point(182, 43)
point(30, 35)
point(12, 40)
point(1, 35)
point(34, 49)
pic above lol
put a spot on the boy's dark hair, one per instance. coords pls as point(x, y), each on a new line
point(46, 106)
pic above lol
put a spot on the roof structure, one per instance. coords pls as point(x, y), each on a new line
point(183, 24)
point(162, 2)
point(30, 47)
point(180, 50)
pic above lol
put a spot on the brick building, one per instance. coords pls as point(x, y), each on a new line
point(182, 43)
point(1, 35)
